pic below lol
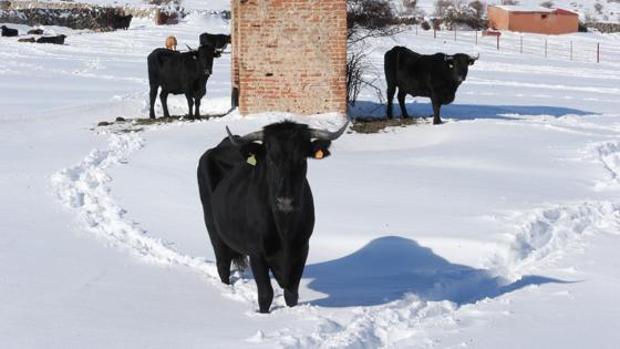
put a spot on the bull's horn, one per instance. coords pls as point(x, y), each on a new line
point(447, 57)
point(327, 135)
point(475, 58)
point(250, 137)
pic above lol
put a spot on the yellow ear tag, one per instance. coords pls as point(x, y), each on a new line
point(251, 160)
point(318, 154)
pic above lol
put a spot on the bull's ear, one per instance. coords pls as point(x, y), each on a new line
point(319, 149)
point(252, 149)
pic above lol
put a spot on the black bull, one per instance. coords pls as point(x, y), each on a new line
point(436, 76)
point(179, 73)
point(257, 203)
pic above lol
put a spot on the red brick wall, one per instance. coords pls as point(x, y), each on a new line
point(290, 55)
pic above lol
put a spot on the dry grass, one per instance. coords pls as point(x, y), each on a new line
point(373, 125)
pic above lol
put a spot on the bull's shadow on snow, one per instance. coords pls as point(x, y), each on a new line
point(387, 268)
point(372, 110)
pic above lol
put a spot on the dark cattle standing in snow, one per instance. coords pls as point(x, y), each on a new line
point(6, 31)
point(35, 32)
point(58, 39)
point(257, 203)
point(436, 76)
point(179, 73)
point(217, 41)
point(121, 21)
point(26, 40)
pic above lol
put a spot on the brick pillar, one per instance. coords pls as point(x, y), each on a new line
point(290, 55)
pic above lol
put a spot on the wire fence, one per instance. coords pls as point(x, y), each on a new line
point(571, 47)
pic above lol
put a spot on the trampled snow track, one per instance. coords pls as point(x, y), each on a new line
point(85, 189)
point(609, 156)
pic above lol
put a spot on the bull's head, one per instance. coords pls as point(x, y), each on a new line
point(280, 152)
point(205, 56)
point(458, 65)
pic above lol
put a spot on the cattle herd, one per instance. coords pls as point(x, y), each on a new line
point(256, 200)
point(56, 39)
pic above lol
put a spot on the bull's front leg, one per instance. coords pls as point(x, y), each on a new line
point(197, 99)
point(163, 96)
point(260, 269)
point(190, 104)
point(291, 292)
point(436, 110)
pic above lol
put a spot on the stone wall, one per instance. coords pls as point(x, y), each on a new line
point(290, 55)
point(604, 27)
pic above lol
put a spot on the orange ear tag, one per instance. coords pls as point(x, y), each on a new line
point(318, 154)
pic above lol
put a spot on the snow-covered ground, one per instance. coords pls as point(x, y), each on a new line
point(499, 228)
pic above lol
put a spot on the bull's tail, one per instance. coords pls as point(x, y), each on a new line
point(240, 262)
point(390, 65)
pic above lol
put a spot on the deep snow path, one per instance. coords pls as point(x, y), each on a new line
point(534, 238)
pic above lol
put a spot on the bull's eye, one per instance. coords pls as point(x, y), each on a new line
point(450, 65)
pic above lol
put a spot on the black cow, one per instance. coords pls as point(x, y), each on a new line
point(257, 203)
point(121, 21)
point(436, 76)
point(58, 39)
point(6, 31)
point(35, 31)
point(179, 73)
point(217, 41)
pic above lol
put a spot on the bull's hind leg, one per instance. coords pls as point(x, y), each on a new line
point(391, 90)
point(401, 102)
point(152, 97)
point(260, 269)
point(223, 257)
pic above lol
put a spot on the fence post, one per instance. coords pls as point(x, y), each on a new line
point(476, 38)
point(497, 42)
point(416, 29)
point(455, 33)
point(598, 52)
point(571, 50)
point(545, 48)
point(434, 32)
point(521, 43)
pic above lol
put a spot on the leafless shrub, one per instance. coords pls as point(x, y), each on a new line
point(367, 19)
point(478, 7)
point(510, 2)
point(598, 7)
point(547, 4)
point(442, 6)
point(162, 2)
point(457, 14)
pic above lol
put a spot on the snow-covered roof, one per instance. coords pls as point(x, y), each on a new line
point(514, 8)
point(538, 9)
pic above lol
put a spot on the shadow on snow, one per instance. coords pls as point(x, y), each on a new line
point(367, 109)
point(389, 267)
